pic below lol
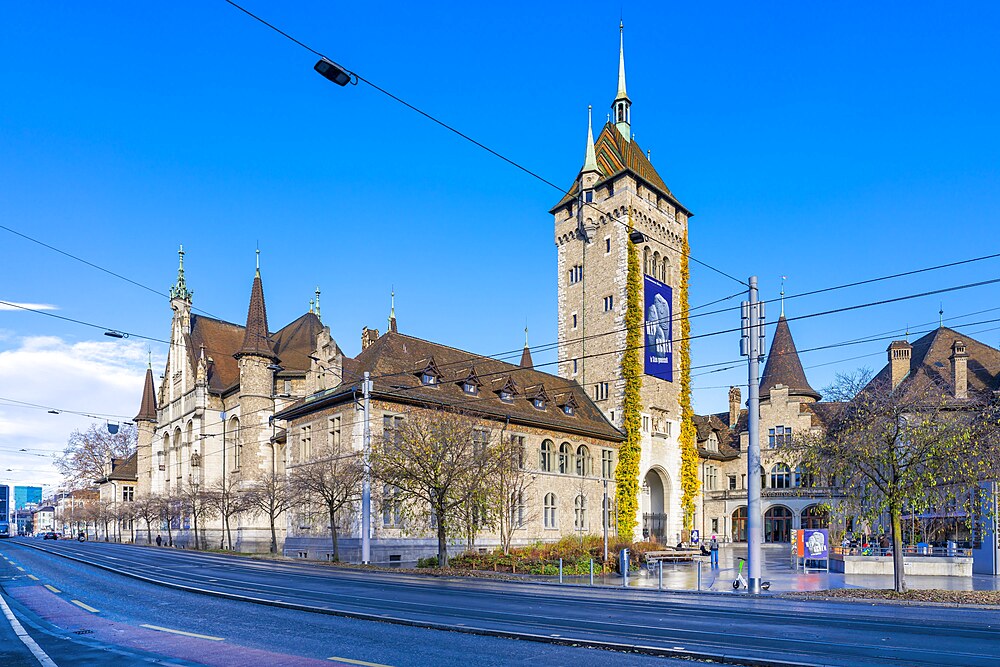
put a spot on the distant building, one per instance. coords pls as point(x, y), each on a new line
point(44, 518)
point(26, 495)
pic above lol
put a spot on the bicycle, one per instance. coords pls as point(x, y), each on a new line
point(741, 580)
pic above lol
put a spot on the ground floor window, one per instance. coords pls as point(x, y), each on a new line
point(814, 517)
point(778, 524)
point(740, 524)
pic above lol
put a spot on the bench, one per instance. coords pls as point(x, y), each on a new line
point(672, 555)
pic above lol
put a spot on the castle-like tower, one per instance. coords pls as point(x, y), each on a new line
point(616, 191)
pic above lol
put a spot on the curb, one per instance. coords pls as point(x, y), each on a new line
point(723, 658)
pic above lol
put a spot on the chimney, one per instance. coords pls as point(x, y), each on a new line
point(960, 369)
point(368, 336)
point(899, 361)
point(735, 400)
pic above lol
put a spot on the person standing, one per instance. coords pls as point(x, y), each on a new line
point(159, 541)
point(713, 549)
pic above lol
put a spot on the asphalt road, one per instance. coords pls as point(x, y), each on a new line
point(765, 630)
point(115, 629)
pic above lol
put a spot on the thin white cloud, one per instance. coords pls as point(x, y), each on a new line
point(15, 305)
point(97, 377)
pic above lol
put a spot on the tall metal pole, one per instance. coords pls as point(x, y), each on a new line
point(604, 520)
point(366, 485)
point(752, 346)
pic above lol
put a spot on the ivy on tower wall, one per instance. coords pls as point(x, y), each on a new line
point(627, 470)
point(690, 484)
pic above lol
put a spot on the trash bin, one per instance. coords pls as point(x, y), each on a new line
point(623, 566)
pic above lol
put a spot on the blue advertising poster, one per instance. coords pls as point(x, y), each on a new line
point(659, 330)
point(816, 544)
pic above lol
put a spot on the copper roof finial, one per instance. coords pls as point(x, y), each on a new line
point(317, 304)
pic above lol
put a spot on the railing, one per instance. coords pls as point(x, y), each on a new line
point(808, 492)
point(909, 551)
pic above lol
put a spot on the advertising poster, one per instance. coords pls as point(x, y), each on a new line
point(816, 543)
point(658, 329)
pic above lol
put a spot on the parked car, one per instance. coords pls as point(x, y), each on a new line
point(51, 535)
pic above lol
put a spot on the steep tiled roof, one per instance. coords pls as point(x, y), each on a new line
point(147, 408)
point(708, 424)
point(124, 471)
point(615, 155)
point(396, 360)
point(256, 337)
point(930, 361)
point(783, 365)
point(294, 343)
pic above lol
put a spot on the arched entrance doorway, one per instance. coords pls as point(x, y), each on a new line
point(654, 516)
point(739, 522)
point(815, 516)
point(778, 524)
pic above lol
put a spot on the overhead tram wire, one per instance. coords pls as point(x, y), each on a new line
point(474, 141)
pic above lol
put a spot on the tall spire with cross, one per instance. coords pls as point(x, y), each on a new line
point(526, 361)
point(622, 104)
point(392, 310)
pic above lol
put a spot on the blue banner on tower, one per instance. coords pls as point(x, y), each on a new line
point(659, 330)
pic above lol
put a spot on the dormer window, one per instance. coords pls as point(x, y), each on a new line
point(713, 442)
point(430, 375)
point(428, 379)
point(506, 396)
point(538, 402)
point(568, 409)
point(469, 381)
point(470, 388)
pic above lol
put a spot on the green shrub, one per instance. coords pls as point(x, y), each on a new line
point(430, 561)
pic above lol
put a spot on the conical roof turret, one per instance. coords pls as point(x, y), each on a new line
point(526, 361)
point(147, 409)
point(257, 339)
point(784, 366)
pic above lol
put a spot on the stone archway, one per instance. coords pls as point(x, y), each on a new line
point(654, 503)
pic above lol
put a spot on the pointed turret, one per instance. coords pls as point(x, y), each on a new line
point(622, 104)
point(590, 159)
point(526, 352)
point(257, 339)
point(147, 408)
point(392, 312)
point(784, 366)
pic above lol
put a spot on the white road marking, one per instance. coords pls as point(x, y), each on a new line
point(52, 588)
point(20, 568)
point(31, 576)
point(81, 605)
point(181, 632)
point(357, 662)
point(41, 656)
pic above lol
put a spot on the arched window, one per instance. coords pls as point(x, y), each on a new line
point(545, 456)
point(549, 517)
point(803, 478)
point(778, 524)
point(781, 476)
point(580, 513)
point(739, 520)
point(665, 270)
point(815, 516)
point(392, 507)
point(235, 442)
point(565, 458)
point(647, 266)
point(655, 269)
point(582, 461)
point(177, 455)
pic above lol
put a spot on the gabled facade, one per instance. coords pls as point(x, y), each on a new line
point(210, 420)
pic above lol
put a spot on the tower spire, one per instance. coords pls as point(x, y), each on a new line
point(622, 103)
point(590, 160)
point(180, 290)
point(526, 361)
point(783, 279)
point(318, 316)
point(257, 338)
point(392, 311)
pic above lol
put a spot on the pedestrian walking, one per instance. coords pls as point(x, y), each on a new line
point(713, 549)
point(159, 541)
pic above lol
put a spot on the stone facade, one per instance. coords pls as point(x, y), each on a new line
point(617, 190)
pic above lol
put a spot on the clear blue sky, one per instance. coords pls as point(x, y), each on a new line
point(826, 142)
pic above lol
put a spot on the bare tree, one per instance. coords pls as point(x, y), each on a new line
point(147, 508)
point(508, 488)
point(331, 479)
point(88, 453)
point(193, 502)
point(272, 497)
point(436, 460)
point(227, 501)
point(908, 449)
point(169, 508)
